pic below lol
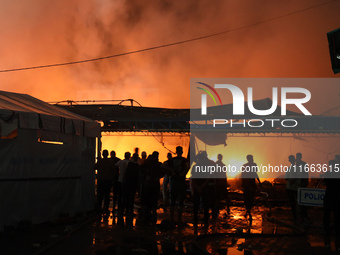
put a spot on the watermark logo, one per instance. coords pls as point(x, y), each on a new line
point(260, 110)
point(239, 101)
point(204, 96)
point(282, 96)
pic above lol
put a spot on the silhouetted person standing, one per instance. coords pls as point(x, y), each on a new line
point(122, 165)
point(141, 161)
point(129, 188)
point(115, 190)
point(203, 189)
point(137, 151)
point(302, 169)
point(180, 168)
point(105, 168)
point(221, 185)
point(292, 185)
point(151, 188)
point(332, 204)
point(166, 181)
point(249, 175)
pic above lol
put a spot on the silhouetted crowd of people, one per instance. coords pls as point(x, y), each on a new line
point(298, 177)
point(139, 177)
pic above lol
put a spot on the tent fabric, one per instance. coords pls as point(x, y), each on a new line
point(34, 114)
point(25, 103)
point(46, 167)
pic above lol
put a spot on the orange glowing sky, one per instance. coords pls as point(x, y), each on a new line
point(47, 32)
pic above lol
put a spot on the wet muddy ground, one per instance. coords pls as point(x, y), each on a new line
point(273, 233)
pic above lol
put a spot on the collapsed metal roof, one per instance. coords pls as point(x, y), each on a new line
point(120, 118)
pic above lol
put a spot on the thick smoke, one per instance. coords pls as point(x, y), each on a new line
point(40, 32)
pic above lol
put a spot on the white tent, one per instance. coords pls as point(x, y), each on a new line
point(46, 160)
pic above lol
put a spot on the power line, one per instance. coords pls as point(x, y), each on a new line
point(164, 45)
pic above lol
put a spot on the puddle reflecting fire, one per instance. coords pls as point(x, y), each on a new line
point(169, 240)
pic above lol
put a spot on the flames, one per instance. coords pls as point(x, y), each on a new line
point(38, 33)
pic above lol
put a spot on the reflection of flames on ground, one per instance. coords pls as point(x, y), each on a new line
point(232, 233)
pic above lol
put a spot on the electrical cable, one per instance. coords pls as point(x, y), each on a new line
point(164, 45)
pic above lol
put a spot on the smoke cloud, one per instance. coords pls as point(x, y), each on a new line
point(43, 32)
point(47, 32)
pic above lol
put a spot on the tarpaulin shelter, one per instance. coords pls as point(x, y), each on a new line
point(46, 160)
